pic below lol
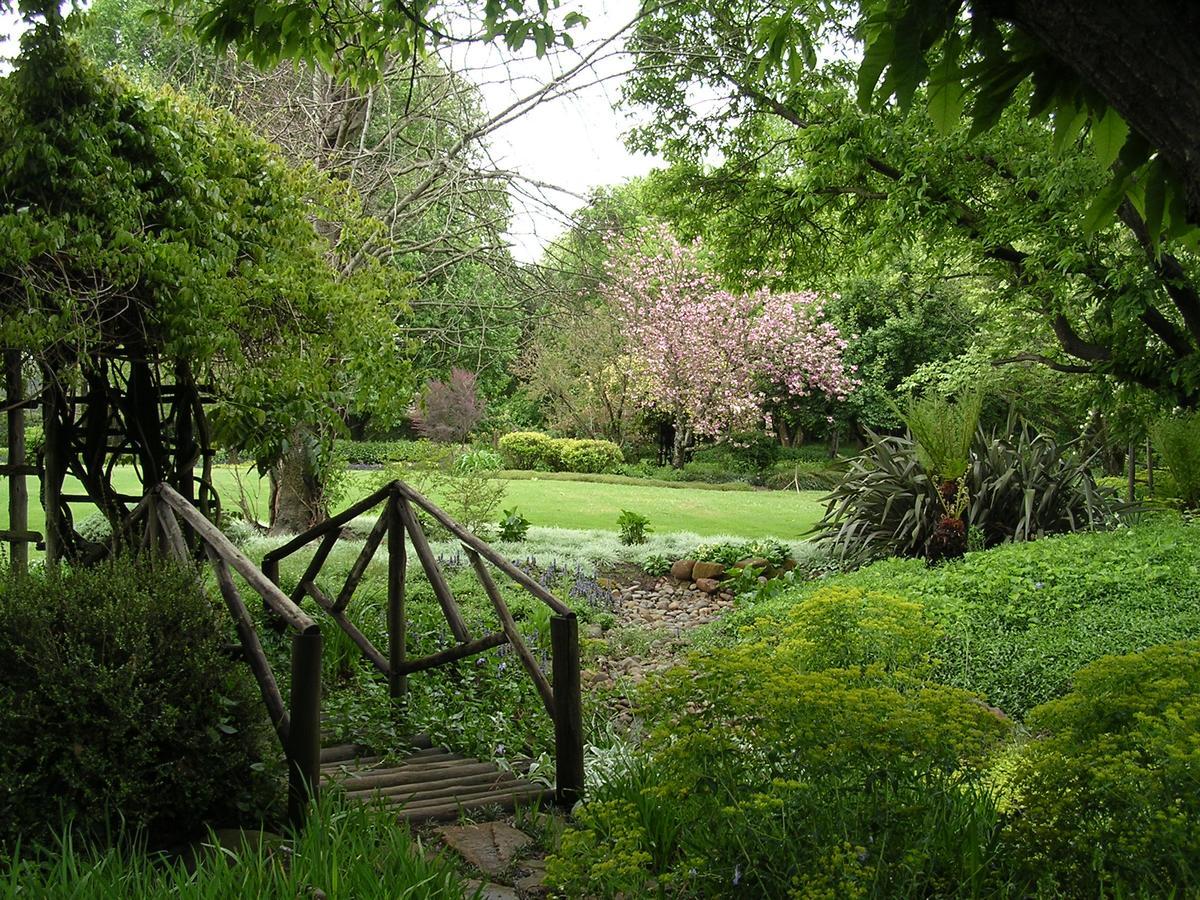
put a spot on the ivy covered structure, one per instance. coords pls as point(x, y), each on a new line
point(170, 285)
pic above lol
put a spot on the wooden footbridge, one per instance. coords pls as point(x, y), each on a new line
point(432, 782)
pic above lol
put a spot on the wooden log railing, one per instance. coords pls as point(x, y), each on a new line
point(561, 694)
point(164, 519)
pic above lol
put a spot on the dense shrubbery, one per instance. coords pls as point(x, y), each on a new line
point(119, 707)
point(1178, 440)
point(1018, 486)
point(533, 450)
point(1107, 792)
point(816, 767)
point(527, 450)
point(826, 759)
point(382, 453)
point(1021, 619)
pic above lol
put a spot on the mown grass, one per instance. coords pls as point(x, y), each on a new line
point(550, 502)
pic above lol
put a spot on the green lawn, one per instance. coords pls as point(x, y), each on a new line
point(562, 504)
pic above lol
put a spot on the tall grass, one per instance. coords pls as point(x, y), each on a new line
point(345, 851)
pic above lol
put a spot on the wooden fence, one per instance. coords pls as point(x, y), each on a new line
point(560, 696)
point(166, 523)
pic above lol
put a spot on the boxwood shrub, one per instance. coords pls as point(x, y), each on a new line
point(540, 452)
point(527, 450)
point(120, 709)
point(586, 455)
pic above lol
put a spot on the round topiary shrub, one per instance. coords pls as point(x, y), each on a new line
point(587, 456)
point(528, 450)
point(119, 708)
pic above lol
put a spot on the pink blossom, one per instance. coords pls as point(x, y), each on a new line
point(710, 358)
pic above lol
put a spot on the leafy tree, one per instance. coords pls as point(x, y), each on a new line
point(572, 365)
point(895, 328)
point(146, 236)
point(1123, 72)
point(573, 368)
point(365, 40)
point(809, 180)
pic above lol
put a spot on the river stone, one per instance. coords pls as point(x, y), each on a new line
point(491, 891)
point(682, 569)
point(763, 566)
point(489, 846)
point(707, 570)
point(708, 585)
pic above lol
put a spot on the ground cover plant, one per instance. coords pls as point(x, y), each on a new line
point(1088, 787)
point(1019, 620)
point(1107, 792)
point(820, 759)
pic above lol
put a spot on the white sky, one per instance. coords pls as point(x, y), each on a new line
point(572, 142)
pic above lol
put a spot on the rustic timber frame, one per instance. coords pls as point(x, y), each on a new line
point(399, 519)
point(117, 405)
point(165, 523)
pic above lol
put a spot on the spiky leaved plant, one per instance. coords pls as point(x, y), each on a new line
point(943, 430)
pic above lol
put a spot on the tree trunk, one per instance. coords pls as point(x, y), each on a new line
point(297, 503)
point(681, 445)
point(1142, 58)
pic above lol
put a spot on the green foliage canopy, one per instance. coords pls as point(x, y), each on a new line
point(809, 180)
point(138, 222)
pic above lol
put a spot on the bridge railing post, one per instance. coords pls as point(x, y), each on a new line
point(396, 622)
point(304, 734)
point(568, 710)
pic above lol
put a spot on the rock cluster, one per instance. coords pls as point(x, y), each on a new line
point(672, 604)
point(669, 608)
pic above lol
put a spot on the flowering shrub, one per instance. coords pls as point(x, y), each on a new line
point(711, 359)
point(861, 777)
point(1108, 796)
point(448, 411)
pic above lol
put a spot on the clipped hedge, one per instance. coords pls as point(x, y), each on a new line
point(593, 457)
point(383, 453)
point(120, 709)
point(527, 450)
point(539, 452)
